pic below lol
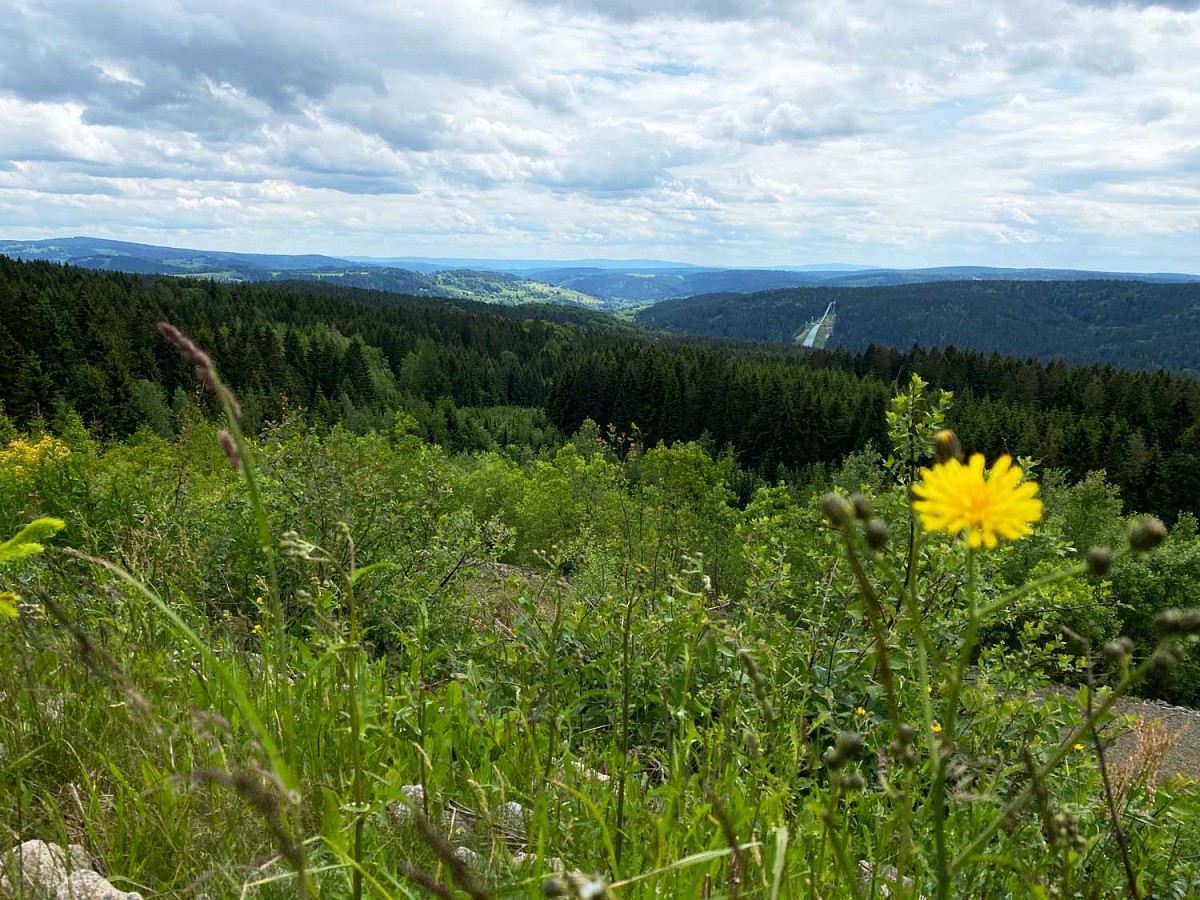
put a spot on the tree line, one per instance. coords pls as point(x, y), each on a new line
point(86, 340)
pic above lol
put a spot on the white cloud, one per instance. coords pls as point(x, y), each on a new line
point(1033, 132)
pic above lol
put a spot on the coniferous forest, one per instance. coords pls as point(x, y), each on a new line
point(313, 591)
point(86, 340)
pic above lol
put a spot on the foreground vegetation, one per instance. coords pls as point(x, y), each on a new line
point(328, 663)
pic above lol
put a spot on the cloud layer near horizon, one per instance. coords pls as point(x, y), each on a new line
point(730, 131)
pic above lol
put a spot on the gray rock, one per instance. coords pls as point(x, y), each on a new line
point(511, 816)
point(36, 866)
point(400, 812)
point(88, 885)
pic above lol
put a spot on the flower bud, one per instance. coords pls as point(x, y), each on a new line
point(850, 743)
point(853, 782)
point(862, 506)
point(837, 510)
point(833, 759)
point(906, 734)
point(1177, 622)
point(877, 534)
point(1169, 656)
point(1099, 561)
point(1119, 647)
point(1147, 534)
point(947, 446)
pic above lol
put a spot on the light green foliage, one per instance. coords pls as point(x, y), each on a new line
point(596, 631)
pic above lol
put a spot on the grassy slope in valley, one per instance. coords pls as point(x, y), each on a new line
point(1125, 323)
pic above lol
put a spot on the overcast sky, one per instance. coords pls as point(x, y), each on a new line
point(739, 132)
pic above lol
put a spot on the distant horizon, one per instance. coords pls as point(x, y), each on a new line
point(566, 262)
point(1062, 134)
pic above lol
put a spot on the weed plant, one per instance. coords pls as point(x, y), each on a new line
point(336, 665)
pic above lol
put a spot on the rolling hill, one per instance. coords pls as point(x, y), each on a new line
point(1133, 324)
point(147, 259)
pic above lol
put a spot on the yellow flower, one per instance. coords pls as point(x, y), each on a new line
point(257, 629)
point(23, 457)
point(937, 729)
point(956, 498)
point(929, 688)
point(1079, 746)
point(859, 711)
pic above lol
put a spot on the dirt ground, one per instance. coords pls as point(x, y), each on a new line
point(1182, 723)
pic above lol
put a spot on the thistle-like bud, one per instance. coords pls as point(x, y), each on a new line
point(833, 759)
point(905, 735)
point(1169, 655)
point(850, 743)
point(1147, 534)
point(837, 510)
point(853, 781)
point(947, 446)
point(877, 534)
point(1099, 561)
point(1119, 647)
point(863, 509)
point(1177, 622)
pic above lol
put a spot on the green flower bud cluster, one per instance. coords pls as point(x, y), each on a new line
point(1147, 534)
point(846, 749)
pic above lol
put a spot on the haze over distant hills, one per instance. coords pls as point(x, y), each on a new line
point(606, 283)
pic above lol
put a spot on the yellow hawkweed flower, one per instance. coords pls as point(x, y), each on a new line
point(1079, 746)
point(937, 729)
point(954, 497)
point(859, 711)
point(257, 629)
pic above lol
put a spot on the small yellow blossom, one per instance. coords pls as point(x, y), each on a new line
point(937, 729)
point(929, 688)
point(954, 497)
point(257, 629)
point(859, 711)
point(23, 457)
point(1079, 746)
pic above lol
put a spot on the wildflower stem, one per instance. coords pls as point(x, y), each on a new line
point(1065, 746)
point(875, 618)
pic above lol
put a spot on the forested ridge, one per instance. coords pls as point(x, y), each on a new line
point(1133, 324)
point(89, 339)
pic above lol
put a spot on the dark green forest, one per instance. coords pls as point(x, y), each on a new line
point(1132, 324)
point(84, 340)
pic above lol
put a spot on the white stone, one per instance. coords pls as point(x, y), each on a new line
point(35, 866)
point(511, 815)
point(87, 885)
